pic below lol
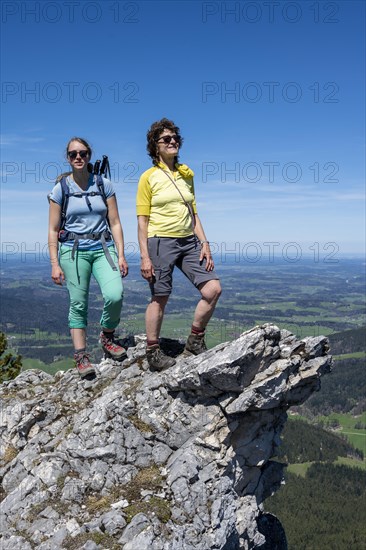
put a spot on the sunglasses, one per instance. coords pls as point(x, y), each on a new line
point(73, 154)
point(168, 139)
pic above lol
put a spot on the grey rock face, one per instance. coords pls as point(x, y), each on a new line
point(179, 460)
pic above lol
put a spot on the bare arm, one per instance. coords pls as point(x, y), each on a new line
point(147, 269)
point(117, 232)
point(205, 250)
point(53, 228)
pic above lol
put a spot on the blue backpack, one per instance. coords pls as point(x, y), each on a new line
point(64, 235)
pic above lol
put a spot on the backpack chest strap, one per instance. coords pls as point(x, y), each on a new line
point(86, 195)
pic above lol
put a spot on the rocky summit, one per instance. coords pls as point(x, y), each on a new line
point(135, 460)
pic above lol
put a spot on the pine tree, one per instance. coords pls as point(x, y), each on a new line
point(10, 365)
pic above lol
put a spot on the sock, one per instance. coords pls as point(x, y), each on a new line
point(79, 350)
point(196, 330)
point(152, 343)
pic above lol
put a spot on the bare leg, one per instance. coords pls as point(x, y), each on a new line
point(210, 293)
point(154, 316)
point(78, 336)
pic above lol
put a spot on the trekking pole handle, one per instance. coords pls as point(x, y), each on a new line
point(104, 165)
point(96, 167)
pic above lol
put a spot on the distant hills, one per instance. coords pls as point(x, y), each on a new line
point(348, 341)
point(344, 391)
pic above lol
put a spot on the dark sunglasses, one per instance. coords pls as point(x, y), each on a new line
point(73, 154)
point(168, 139)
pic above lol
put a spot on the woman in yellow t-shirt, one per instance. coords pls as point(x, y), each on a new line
point(170, 234)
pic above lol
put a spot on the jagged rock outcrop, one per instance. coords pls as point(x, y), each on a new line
point(179, 460)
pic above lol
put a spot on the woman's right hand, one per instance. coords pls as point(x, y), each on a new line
point(57, 275)
point(147, 270)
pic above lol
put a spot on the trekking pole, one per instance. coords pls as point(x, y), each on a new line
point(105, 169)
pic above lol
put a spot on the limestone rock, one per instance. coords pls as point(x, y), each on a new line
point(163, 461)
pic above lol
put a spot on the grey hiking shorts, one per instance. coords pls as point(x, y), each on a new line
point(167, 252)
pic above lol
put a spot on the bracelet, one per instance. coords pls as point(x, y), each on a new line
point(205, 242)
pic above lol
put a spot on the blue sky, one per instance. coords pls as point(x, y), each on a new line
point(269, 97)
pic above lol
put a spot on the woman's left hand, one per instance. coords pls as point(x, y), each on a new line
point(206, 253)
point(123, 266)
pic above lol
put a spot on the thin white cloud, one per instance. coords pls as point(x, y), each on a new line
point(350, 197)
point(23, 195)
point(15, 139)
point(259, 203)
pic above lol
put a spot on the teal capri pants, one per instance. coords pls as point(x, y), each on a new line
point(78, 273)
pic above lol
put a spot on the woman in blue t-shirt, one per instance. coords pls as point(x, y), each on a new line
point(89, 245)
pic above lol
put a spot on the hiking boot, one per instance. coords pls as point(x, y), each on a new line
point(157, 359)
point(195, 344)
point(111, 347)
point(84, 366)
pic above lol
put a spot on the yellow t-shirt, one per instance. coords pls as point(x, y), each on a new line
point(158, 198)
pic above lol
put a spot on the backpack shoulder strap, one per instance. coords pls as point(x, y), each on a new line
point(100, 185)
point(65, 201)
point(64, 187)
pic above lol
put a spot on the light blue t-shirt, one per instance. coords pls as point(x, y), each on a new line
point(79, 217)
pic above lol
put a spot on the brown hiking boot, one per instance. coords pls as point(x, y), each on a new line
point(195, 344)
point(157, 360)
point(84, 366)
point(111, 347)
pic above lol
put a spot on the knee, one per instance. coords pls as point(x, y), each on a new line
point(217, 290)
point(113, 297)
point(159, 302)
point(211, 291)
point(113, 294)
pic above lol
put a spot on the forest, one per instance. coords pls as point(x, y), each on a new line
point(304, 442)
point(324, 510)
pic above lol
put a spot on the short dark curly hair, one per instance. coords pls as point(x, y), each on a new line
point(153, 134)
